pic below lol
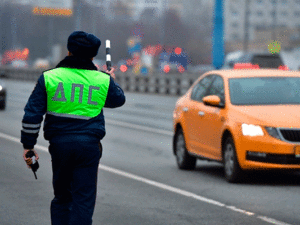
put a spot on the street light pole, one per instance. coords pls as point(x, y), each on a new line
point(51, 33)
point(162, 26)
point(246, 27)
point(1, 28)
point(218, 35)
point(274, 20)
point(78, 15)
point(13, 27)
point(95, 12)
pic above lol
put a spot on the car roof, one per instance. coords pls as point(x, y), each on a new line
point(240, 73)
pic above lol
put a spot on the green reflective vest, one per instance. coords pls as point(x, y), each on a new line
point(76, 93)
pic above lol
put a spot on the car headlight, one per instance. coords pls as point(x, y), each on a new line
point(1, 88)
point(251, 130)
point(272, 131)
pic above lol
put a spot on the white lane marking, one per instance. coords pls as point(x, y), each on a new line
point(272, 221)
point(163, 186)
point(18, 141)
point(240, 210)
point(160, 185)
point(139, 127)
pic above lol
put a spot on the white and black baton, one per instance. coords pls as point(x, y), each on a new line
point(108, 57)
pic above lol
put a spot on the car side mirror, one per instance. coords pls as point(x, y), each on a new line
point(212, 100)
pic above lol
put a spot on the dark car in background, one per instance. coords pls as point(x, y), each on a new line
point(2, 95)
point(263, 59)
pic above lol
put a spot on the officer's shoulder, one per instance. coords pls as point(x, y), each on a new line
point(44, 71)
point(49, 70)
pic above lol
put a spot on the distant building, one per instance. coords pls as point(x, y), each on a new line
point(157, 7)
point(263, 16)
point(194, 11)
point(23, 2)
point(137, 8)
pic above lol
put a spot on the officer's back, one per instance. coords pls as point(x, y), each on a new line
point(72, 96)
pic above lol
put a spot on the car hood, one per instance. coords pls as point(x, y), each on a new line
point(268, 115)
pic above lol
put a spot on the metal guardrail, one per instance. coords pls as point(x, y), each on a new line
point(164, 84)
point(20, 74)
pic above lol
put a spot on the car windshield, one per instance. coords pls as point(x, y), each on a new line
point(264, 90)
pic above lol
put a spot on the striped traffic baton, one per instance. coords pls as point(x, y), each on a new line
point(108, 57)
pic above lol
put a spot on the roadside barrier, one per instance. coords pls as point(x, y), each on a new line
point(163, 84)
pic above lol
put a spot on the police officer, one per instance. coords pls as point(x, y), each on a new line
point(72, 96)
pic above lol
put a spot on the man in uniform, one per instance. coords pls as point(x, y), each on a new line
point(72, 96)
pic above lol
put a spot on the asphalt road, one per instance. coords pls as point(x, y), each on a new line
point(139, 182)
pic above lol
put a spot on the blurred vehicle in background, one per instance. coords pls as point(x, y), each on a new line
point(263, 59)
point(16, 58)
point(231, 58)
point(2, 95)
point(173, 60)
point(246, 119)
point(19, 64)
point(41, 64)
point(168, 67)
point(291, 58)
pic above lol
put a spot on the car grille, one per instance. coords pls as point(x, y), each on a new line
point(276, 159)
point(292, 135)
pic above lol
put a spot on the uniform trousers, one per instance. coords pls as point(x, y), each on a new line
point(75, 161)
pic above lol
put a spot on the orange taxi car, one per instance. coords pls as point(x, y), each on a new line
point(245, 118)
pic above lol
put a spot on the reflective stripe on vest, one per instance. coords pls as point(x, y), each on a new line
point(76, 93)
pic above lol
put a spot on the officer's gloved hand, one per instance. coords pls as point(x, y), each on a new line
point(111, 73)
point(29, 160)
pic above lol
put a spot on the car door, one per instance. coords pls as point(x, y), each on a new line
point(212, 120)
point(193, 120)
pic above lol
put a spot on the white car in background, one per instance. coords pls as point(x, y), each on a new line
point(41, 64)
point(19, 64)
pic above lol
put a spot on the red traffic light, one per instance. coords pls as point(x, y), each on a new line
point(123, 68)
point(166, 69)
point(178, 51)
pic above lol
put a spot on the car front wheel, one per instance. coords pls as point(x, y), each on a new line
point(232, 169)
point(184, 159)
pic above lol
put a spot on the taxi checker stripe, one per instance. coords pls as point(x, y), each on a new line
point(31, 125)
point(31, 131)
